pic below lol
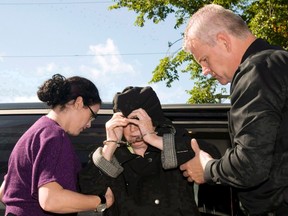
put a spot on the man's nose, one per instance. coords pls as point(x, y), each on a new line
point(206, 70)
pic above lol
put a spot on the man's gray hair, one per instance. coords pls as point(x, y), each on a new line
point(210, 20)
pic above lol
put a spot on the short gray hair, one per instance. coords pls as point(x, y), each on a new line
point(210, 20)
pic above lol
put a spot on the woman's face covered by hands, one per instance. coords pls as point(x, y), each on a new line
point(139, 124)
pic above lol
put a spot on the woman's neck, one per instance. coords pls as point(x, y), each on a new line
point(56, 116)
point(140, 151)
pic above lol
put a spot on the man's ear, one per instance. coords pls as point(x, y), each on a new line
point(224, 41)
point(79, 102)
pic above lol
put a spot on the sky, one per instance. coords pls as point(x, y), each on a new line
point(39, 38)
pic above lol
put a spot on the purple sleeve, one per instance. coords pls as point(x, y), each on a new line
point(55, 160)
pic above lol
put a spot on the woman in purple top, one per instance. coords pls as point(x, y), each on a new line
point(43, 166)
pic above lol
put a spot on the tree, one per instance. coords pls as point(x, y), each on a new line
point(272, 14)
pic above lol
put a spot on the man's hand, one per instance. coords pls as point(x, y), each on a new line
point(194, 168)
point(109, 197)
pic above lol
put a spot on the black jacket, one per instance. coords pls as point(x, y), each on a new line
point(258, 122)
point(144, 188)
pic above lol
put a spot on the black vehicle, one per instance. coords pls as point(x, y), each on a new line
point(204, 122)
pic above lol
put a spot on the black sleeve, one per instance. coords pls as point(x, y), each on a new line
point(183, 148)
point(184, 151)
point(92, 181)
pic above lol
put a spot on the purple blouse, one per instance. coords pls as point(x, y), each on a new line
point(43, 154)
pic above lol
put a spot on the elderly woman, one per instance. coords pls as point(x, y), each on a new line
point(139, 160)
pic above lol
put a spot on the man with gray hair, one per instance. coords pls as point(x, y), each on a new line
point(257, 163)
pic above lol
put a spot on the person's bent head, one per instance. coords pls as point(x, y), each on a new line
point(133, 98)
point(76, 97)
point(208, 21)
point(218, 39)
point(59, 91)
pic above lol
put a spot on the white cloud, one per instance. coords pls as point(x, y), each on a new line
point(108, 60)
point(49, 68)
point(52, 68)
point(110, 73)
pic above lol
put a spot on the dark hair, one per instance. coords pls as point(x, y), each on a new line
point(58, 91)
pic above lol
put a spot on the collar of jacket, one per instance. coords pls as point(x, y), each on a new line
point(257, 46)
point(123, 154)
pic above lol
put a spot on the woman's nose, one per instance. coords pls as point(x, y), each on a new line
point(88, 125)
point(133, 127)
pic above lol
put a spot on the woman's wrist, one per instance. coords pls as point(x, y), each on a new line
point(149, 133)
point(109, 147)
point(154, 140)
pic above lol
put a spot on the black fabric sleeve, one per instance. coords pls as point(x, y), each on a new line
point(183, 148)
point(91, 180)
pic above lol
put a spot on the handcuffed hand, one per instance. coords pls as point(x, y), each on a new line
point(114, 127)
point(140, 118)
